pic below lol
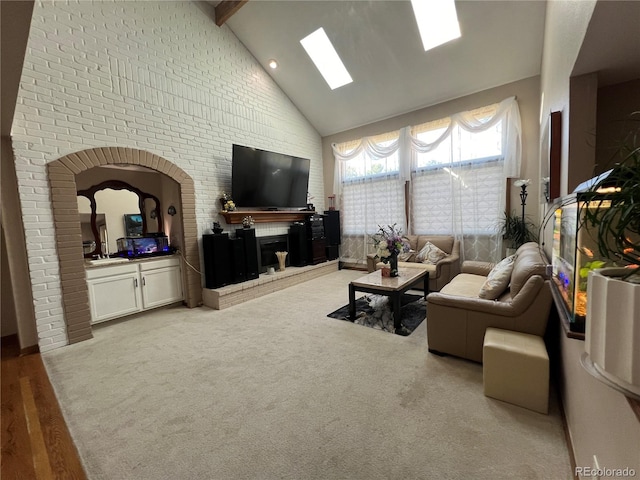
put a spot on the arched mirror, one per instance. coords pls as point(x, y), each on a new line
point(115, 209)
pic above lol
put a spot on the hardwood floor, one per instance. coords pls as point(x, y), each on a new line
point(36, 443)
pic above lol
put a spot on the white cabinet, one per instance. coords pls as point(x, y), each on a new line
point(113, 292)
point(119, 290)
point(161, 283)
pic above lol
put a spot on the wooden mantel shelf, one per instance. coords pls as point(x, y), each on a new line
point(266, 216)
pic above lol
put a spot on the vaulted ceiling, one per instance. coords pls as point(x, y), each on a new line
point(379, 43)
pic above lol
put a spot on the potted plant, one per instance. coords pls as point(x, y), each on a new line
point(610, 214)
point(516, 231)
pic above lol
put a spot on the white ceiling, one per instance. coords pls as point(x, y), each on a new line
point(379, 43)
point(611, 45)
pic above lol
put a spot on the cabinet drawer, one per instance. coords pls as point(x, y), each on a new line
point(159, 263)
point(100, 272)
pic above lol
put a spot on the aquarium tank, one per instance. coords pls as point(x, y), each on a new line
point(574, 254)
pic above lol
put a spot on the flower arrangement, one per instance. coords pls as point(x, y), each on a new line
point(248, 221)
point(228, 205)
point(389, 242)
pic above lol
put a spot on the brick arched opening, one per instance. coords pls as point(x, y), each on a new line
point(62, 172)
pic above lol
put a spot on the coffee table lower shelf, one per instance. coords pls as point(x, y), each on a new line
point(392, 287)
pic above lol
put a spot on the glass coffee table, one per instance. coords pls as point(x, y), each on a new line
point(392, 287)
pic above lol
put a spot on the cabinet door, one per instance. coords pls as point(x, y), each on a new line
point(114, 296)
point(161, 286)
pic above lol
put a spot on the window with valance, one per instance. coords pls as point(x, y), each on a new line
point(442, 177)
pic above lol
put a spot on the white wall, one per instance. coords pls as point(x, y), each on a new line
point(158, 76)
point(566, 23)
point(599, 419)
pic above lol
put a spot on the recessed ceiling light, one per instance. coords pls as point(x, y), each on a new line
point(326, 59)
point(273, 64)
point(437, 21)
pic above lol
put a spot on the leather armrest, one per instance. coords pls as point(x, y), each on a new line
point(448, 261)
point(528, 293)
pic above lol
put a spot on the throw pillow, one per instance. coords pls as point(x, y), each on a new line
point(498, 279)
point(430, 254)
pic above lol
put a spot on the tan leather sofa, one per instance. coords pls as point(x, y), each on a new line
point(439, 274)
point(457, 318)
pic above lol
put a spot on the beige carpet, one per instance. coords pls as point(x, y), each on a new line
point(274, 389)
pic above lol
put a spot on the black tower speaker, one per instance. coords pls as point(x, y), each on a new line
point(250, 251)
point(332, 227)
point(332, 233)
point(298, 245)
point(216, 259)
point(236, 259)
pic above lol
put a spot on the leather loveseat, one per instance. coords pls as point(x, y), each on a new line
point(441, 272)
point(457, 317)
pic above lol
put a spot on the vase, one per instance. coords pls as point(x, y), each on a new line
point(393, 265)
point(282, 256)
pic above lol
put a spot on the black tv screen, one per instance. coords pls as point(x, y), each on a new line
point(262, 179)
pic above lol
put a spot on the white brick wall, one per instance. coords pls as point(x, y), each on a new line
point(158, 76)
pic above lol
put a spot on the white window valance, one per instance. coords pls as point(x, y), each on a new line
point(406, 144)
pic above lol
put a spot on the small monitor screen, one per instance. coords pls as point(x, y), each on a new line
point(133, 224)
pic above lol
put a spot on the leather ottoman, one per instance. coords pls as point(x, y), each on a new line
point(516, 369)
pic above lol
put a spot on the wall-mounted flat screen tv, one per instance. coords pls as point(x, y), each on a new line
point(263, 179)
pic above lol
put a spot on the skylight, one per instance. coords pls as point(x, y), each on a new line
point(437, 21)
point(326, 59)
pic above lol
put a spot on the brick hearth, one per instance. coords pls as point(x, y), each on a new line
point(230, 295)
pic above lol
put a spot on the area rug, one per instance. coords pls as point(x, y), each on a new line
point(374, 311)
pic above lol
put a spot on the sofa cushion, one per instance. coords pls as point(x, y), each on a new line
point(464, 285)
point(498, 279)
point(528, 262)
point(443, 242)
point(429, 253)
point(423, 266)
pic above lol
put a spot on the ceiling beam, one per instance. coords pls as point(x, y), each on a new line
point(226, 8)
